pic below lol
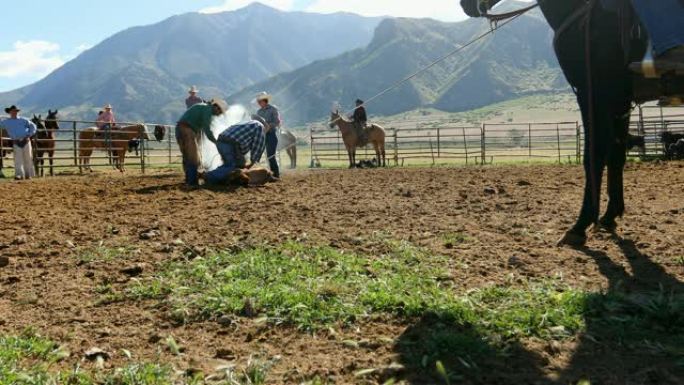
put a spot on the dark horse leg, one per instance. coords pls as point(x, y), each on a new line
point(594, 163)
point(51, 154)
point(617, 157)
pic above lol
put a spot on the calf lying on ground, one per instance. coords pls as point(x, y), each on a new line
point(257, 176)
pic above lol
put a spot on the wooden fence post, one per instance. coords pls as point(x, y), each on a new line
point(432, 152)
point(311, 147)
point(169, 140)
point(578, 142)
point(76, 144)
point(439, 144)
point(465, 144)
point(483, 143)
point(529, 141)
point(396, 147)
point(560, 160)
point(142, 151)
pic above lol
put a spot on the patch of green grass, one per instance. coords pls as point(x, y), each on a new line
point(679, 261)
point(314, 287)
point(451, 240)
point(30, 360)
point(104, 254)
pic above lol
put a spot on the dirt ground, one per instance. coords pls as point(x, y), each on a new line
point(513, 217)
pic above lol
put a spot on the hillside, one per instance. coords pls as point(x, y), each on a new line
point(145, 71)
point(517, 61)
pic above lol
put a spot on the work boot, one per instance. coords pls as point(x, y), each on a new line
point(671, 61)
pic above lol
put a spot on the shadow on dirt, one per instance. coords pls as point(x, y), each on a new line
point(634, 334)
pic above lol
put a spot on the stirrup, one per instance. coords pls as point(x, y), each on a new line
point(647, 66)
point(651, 68)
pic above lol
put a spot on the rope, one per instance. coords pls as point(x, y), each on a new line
point(436, 62)
point(510, 18)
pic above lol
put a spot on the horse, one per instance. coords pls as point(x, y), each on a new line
point(159, 132)
point(45, 141)
point(595, 48)
point(134, 144)
point(670, 141)
point(288, 141)
point(376, 136)
point(92, 138)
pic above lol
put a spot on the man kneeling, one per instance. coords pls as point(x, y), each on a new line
point(233, 145)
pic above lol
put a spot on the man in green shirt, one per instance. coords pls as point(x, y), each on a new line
point(195, 122)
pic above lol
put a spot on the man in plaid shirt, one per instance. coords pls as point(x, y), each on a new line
point(234, 143)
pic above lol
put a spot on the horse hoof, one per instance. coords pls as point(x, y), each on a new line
point(609, 225)
point(572, 239)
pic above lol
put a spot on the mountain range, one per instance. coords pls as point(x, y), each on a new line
point(516, 61)
point(145, 71)
point(307, 61)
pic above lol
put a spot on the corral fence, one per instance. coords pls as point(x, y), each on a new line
point(409, 143)
point(488, 143)
point(144, 153)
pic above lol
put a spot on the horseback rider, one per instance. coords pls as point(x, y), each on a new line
point(664, 20)
point(271, 115)
point(106, 119)
point(193, 98)
point(360, 119)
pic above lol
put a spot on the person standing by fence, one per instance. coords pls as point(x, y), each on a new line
point(196, 121)
point(271, 115)
point(20, 130)
point(193, 98)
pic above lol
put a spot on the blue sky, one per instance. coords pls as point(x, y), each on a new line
point(38, 36)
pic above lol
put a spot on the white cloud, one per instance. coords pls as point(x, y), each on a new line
point(33, 59)
point(447, 10)
point(83, 47)
point(231, 5)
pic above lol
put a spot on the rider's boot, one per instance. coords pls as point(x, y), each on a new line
point(671, 62)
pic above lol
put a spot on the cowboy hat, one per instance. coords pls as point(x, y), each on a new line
point(263, 96)
point(193, 89)
point(220, 103)
point(11, 108)
point(359, 101)
point(108, 106)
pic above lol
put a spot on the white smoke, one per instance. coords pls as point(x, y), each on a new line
point(210, 156)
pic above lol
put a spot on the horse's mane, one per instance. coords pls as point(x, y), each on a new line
point(342, 117)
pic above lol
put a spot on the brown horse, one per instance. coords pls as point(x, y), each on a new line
point(45, 141)
point(92, 138)
point(288, 141)
point(376, 136)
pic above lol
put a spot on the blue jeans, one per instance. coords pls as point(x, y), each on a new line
point(664, 20)
point(190, 170)
point(230, 163)
point(271, 147)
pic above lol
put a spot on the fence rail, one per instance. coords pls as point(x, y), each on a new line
point(143, 152)
point(488, 143)
point(460, 144)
